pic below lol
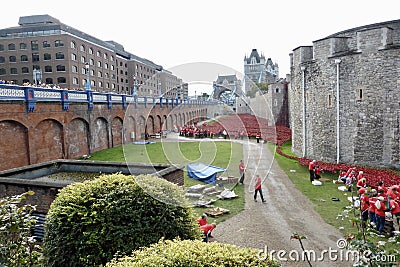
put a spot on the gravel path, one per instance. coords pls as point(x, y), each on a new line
point(286, 211)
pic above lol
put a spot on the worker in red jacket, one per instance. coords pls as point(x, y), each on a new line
point(258, 136)
point(381, 207)
point(257, 189)
point(393, 192)
point(207, 230)
point(364, 205)
point(202, 220)
point(311, 169)
point(395, 211)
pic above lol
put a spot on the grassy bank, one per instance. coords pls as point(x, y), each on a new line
point(222, 154)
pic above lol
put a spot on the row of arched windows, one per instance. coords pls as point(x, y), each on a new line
point(34, 45)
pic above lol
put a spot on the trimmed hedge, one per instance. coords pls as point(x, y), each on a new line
point(91, 221)
point(185, 253)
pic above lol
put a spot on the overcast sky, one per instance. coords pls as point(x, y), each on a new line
point(176, 32)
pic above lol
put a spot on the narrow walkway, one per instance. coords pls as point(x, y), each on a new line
point(286, 211)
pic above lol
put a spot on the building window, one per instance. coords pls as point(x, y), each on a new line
point(360, 94)
point(2, 60)
point(49, 81)
point(329, 101)
point(60, 68)
point(83, 59)
point(91, 72)
point(11, 47)
point(101, 84)
point(59, 55)
point(61, 80)
point(98, 53)
point(2, 71)
point(74, 68)
point(112, 67)
point(48, 69)
point(13, 71)
point(112, 58)
point(91, 61)
point(34, 45)
point(277, 90)
point(58, 43)
point(91, 51)
point(25, 70)
point(1, 47)
point(22, 46)
point(46, 44)
point(47, 56)
point(13, 59)
point(24, 58)
point(75, 81)
point(73, 57)
point(73, 45)
point(83, 70)
point(106, 65)
point(99, 74)
point(99, 64)
point(107, 76)
point(35, 57)
point(82, 48)
point(105, 56)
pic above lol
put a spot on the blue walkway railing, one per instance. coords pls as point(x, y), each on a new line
point(32, 95)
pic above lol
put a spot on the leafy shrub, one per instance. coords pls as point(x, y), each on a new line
point(89, 222)
point(18, 246)
point(184, 253)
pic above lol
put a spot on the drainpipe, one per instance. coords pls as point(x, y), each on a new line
point(303, 85)
point(337, 62)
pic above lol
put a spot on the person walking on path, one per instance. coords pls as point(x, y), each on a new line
point(241, 171)
point(257, 189)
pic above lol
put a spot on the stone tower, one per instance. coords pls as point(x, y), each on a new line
point(257, 69)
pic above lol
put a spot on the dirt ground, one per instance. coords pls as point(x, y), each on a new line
point(269, 226)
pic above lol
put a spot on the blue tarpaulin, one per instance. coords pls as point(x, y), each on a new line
point(203, 172)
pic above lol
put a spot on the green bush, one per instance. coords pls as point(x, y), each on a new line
point(91, 221)
point(18, 246)
point(185, 253)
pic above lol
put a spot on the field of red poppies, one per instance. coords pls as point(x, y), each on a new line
point(278, 135)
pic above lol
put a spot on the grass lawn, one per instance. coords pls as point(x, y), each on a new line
point(222, 154)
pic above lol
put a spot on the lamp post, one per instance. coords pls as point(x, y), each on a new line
point(87, 87)
point(134, 86)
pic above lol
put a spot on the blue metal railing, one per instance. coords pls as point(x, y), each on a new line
point(32, 95)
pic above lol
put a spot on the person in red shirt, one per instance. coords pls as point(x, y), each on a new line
point(364, 205)
point(202, 220)
point(361, 183)
point(393, 192)
point(372, 208)
point(317, 172)
point(311, 169)
point(380, 206)
point(395, 211)
point(207, 230)
point(360, 175)
point(241, 171)
point(257, 188)
point(258, 136)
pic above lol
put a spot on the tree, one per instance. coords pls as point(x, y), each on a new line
point(89, 222)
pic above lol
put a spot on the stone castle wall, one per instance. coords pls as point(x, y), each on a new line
point(368, 62)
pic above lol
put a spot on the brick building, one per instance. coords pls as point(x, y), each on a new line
point(44, 50)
